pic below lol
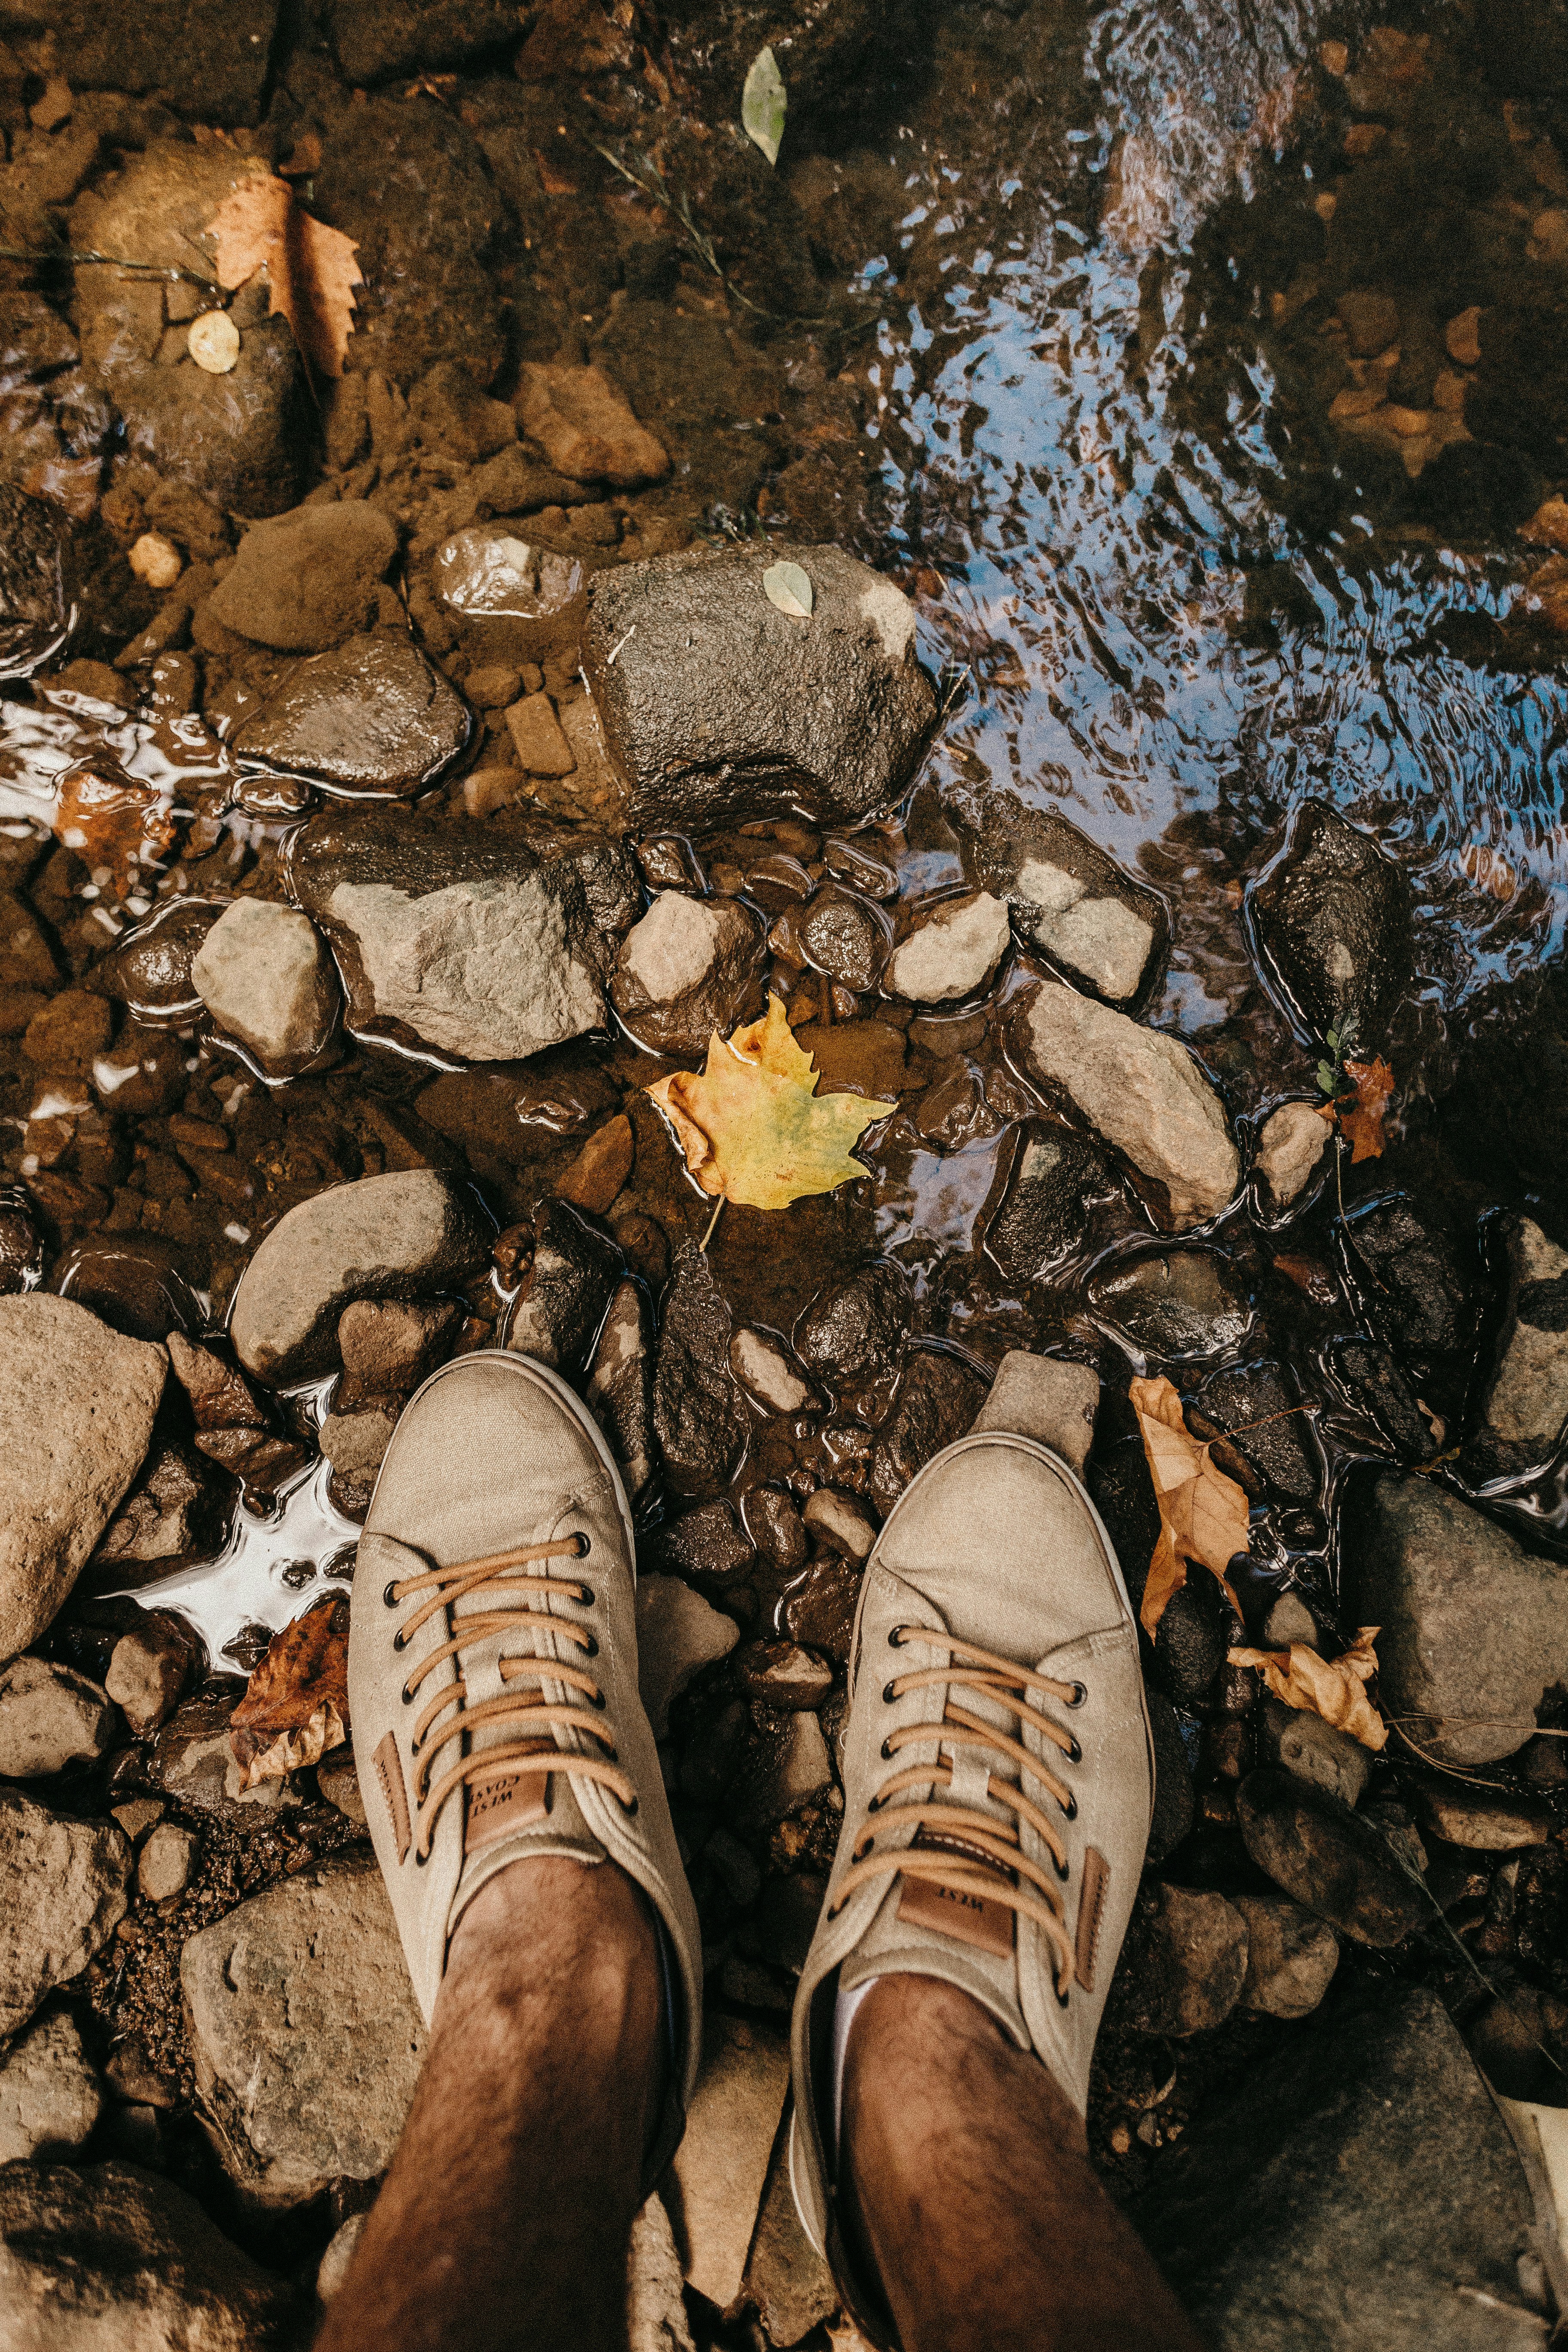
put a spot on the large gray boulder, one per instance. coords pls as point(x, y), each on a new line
point(1474, 1628)
point(404, 1236)
point(62, 1894)
point(718, 707)
point(76, 1403)
point(112, 2259)
point(305, 2034)
point(1373, 2198)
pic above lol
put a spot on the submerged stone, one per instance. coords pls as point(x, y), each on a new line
point(1067, 898)
point(1185, 1303)
point(1331, 918)
point(371, 717)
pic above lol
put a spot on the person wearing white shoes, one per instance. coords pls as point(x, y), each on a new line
point(998, 1791)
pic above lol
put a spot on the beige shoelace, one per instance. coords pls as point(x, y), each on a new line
point(995, 1878)
point(522, 1605)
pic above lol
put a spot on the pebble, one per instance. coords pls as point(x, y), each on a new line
point(1176, 1804)
point(1266, 1435)
point(1290, 1956)
point(776, 1527)
point(1371, 321)
point(855, 1331)
point(699, 1418)
point(537, 737)
point(679, 1633)
point(1291, 1144)
point(264, 974)
point(50, 2096)
point(157, 560)
point(707, 1542)
point(76, 1404)
point(1380, 1389)
point(1329, 1859)
point(164, 1864)
point(333, 2267)
point(620, 1385)
point(585, 427)
point(137, 1817)
point(150, 968)
point(1482, 1820)
point(951, 952)
point(514, 601)
point(304, 2033)
point(1043, 1215)
point(1182, 1304)
point(1185, 1962)
point(656, 2305)
point(1332, 917)
point(784, 1767)
point(840, 935)
point(718, 708)
point(50, 1717)
point(690, 967)
point(454, 413)
point(1105, 930)
point(761, 1365)
point(839, 1521)
point(307, 580)
point(1523, 1402)
point(337, 1776)
point(389, 1345)
point(194, 1762)
point(63, 1891)
point(600, 1169)
point(371, 716)
point(1473, 1625)
point(781, 1675)
point(393, 1236)
point(938, 1398)
point(721, 2165)
point(1314, 1751)
point(1140, 1090)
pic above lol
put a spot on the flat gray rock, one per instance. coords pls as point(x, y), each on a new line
point(113, 2259)
point(1475, 1628)
point(76, 1403)
point(305, 2034)
point(62, 1894)
point(371, 717)
point(719, 706)
point(404, 1236)
point(264, 973)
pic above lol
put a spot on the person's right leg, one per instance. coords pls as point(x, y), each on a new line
point(966, 2189)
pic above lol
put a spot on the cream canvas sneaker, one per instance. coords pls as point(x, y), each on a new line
point(494, 1672)
point(998, 1784)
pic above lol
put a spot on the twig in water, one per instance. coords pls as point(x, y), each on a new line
point(711, 1223)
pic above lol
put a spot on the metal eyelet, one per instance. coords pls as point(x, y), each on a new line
point(1070, 1811)
point(632, 1809)
point(419, 1859)
point(585, 1544)
point(1075, 1754)
point(399, 1640)
point(592, 1649)
point(407, 1696)
point(895, 1637)
point(1061, 2000)
point(886, 1753)
point(586, 1596)
point(889, 1696)
point(873, 1804)
point(1064, 1872)
point(598, 1702)
point(389, 1593)
point(833, 1910)
point(1079, 1693)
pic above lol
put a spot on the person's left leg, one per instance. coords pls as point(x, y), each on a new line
point(505, 2219)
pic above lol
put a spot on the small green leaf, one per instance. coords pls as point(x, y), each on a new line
point(1333, 1041)
point(763, 104)
point(787, 586)
point(1326, 1078)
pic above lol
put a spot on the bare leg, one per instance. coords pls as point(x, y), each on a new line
point(968, 2185)
point(505, 2218)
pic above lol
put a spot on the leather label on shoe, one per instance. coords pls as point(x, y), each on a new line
point(1091, 1903)
point(503, 1801)
point(967, 1918)
point(394, 1796)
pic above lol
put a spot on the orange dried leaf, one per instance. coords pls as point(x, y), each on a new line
point(1334, 1688)
point(306, 1666)
point(310, 269)
point(264, 1759)
point(1373, 1083)
point(1202, 1514)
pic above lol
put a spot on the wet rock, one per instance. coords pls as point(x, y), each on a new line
point(264, 974)
point(938, 1399)
point(1524, 1404)
point(1332, 1861)
point(1046, 1399)
point(557, 1317)
point(333, 2267)
point(515, 601)
point(134, 1285)
point(453, 415)
point(1042, 1216)
point(307, 580)
point(707, 1543)
point(719, 706)
point(1187, 1303)
point(77, 1403)
point(781, 1675)
point(855, 1331)
point(600, 1169)
point(784, 1767)
point(70, 1032)
point(1175, 1802)
point(1313, 1751)
point(1290, 1956)
point(761, 1366)
point(585, 428)
point(1140, 1090)
point(679, 1633)
point(63, 1893)
point(1482, 1820)
point(389, 1346)
point(1332, 920)
point(951, 952)
point(1371, 320)
point(1184, 1962)
point(192, 1759)
point(690, 967)
point(1191, 1644)
point(305, 2034)
point(400, 1236)
point(840, 936)
point(50, 1717)
point(472, 944)
point(620, 1385)
point(50, 2096)
point(371, 717)
point(235, 438)
point(111, 2256)
point(513, 483)
point(840, 1523)
point(1272, 1450)
point(411, 185)
point(150, 970)
point(537, 737)
point(147, 1670)
point(1292, 1142)
point(776, 1527)
point(1519, 2042)
point(21, 1252)
point(376, 39)
point(698, 1417)
point(1473, 1625)
point(720, 2166)
point(1107, 932)
point(1380, 2192)
point(1415, 1286)
point(1378, 1386)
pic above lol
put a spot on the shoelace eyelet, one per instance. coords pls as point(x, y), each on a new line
point(407, 1696)
point(632, 1809)
point(895, 1637)
point(886, 1753)
point(585, 1544)
point(389, 1594)
point(420, 1858)
point(1070, 1811)
point(586, 1596)
point(398, 1639)
point(889, 1696)
point(1064, 1871)
point(1079, 1693)
point(1075, 1754)
point(592, 1649)
point(1062, 1998)
point(598, 1702)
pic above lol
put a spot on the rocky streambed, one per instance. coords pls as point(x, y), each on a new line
point(401, 773)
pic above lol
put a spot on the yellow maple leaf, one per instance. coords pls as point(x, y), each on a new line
point(310, 269)
point(1334, 1688)
point(1202, 1514)
point(752, 1125)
